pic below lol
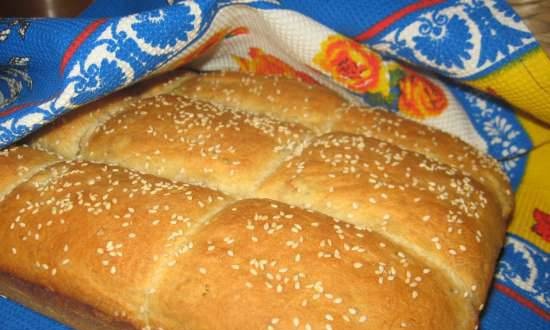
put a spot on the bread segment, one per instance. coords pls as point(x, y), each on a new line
point(445, 148)
point(69, 133)
point(195, 141)
point(443, 216)
point(286, 99)
point(19, 164)
point(322, 110)
point(261, 264)
point(97, 234)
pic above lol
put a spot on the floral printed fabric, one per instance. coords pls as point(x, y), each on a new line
point(456, 65)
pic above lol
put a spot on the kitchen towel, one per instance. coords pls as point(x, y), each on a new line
point(468, 67)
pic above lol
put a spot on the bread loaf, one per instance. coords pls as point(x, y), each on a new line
point(241, 202)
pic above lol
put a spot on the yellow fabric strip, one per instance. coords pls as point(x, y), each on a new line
point(533, 200)
point(525, 83)
point(538, 131)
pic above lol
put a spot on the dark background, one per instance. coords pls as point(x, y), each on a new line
point(38, 8)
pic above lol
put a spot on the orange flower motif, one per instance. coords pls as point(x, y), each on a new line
point(354, 66)
point(209, 44)
point(420, 98)
point(262, 63)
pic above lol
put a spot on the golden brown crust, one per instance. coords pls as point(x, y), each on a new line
point(286, 99)
point(19, 164)
point(66, 135)
point(140, 251)
point(96, 233)
point(321, 110)
point(264, 264)
point(195, 141)
point(161, 84)
point(443, 147)
point(430, 207)
point(425, 206)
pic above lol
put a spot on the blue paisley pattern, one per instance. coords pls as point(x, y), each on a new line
point(97, 80)
point(460, 38)
point(525, 268)
point(116, 54)
point(122, 50)
point(505, 9)
point(497, 124)
point(496, 37)
point(449, 37)
point(156, 28)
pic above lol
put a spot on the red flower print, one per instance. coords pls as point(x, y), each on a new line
point(542, 225)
